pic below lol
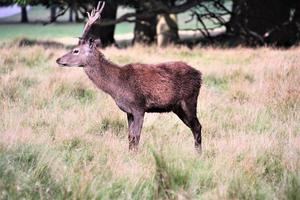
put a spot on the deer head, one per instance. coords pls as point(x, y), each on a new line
point(86, 47)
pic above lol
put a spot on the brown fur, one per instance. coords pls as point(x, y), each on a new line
point(139, 88)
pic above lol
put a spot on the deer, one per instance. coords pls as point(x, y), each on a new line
point(139, 88)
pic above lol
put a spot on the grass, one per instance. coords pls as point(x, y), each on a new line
point(62, 138)
point(10, 28)
point(37, 31)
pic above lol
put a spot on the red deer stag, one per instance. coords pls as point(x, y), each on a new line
point(139, 88)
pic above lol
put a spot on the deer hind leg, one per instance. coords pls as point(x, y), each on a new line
point(188, 114)
point(135, 123)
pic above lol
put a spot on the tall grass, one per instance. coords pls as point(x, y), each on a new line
point(62, 138)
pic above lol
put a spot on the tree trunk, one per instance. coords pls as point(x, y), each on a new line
point(297, 13)
point(288, 33)
point(24, 18)
point(77, 19)
point(252, 19)
point(53, 13)
point(70, 14)
point(167, 29)
point(144, 30)
point(105, 33)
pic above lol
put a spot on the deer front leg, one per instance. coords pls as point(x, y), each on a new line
point(129, 119)
point(135, 123)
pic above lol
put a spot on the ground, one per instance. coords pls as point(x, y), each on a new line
point(62, 138)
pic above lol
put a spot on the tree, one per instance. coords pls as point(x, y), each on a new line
point(24, 18)
point(106, 33)
point(53, 12)
point(21, 3)
point(98, 31)
point(252, 19)
point(167, 29)
point(157, 19)
point(251, 22)
point(145, 18)
point(144, 29)
point(160, 26)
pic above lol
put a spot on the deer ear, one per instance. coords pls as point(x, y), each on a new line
point(91, 43)
point(98, 43)
point(80, 41)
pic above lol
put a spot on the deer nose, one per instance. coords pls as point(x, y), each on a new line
point(58, 61)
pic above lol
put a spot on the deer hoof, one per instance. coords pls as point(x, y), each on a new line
point(133, 148)
point(198, 148)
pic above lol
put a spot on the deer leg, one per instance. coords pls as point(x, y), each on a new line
point(182, 115)
point(187, 114)
point(191, 111)
point(135, 127)
point(129, 119)
point(196, 129)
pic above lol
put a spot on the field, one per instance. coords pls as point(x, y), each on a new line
point(10, 27)
point(62, 138)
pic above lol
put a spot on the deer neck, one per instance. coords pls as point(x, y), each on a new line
point(104, 74)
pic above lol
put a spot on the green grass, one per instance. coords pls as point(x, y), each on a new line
point(24, 174)
point(10, 31)
point(62, 138)
point(117, 126)
point(37, 31)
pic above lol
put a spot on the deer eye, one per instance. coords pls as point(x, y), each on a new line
point(75, 51)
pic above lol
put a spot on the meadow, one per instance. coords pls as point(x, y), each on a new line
point(62, 138)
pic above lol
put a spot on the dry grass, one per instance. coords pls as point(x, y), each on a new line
point(62, 138)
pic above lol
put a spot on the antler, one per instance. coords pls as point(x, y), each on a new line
point(92, 18)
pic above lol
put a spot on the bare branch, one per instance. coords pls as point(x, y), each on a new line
point(128, 17)
point(205, 32)
point(131, 17)
point(221, 5)
point(57, 16)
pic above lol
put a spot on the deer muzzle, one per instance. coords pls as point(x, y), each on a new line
point(60, 63)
